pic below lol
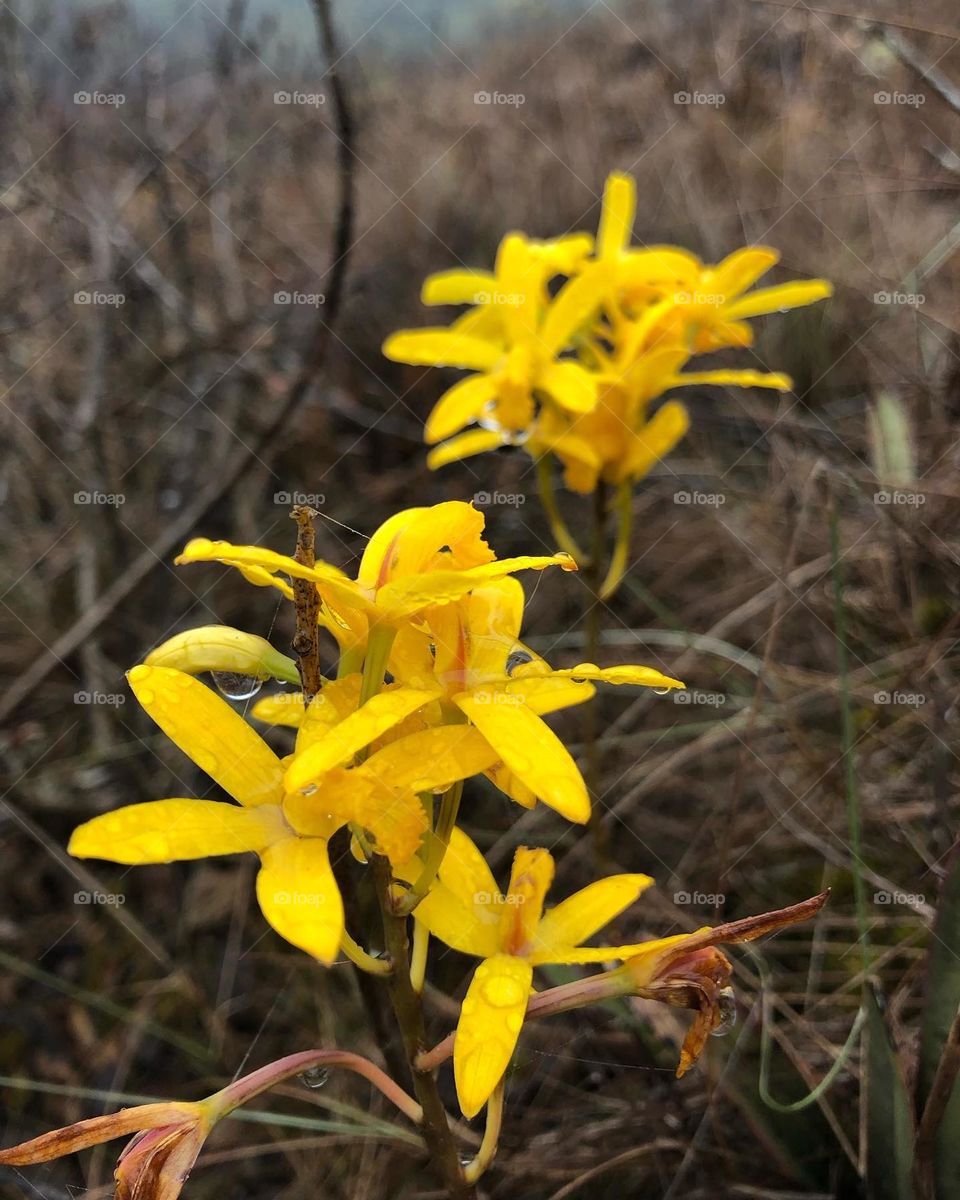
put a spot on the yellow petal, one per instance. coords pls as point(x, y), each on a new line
point(299, 896)
point(458, 287)
point(474, 441)
point(654, 440)
point(285, 708)
point(490, 1022)
point(519, 280)
point(626, 673)
point(458, 406)
point(762, 379)
point(550, 693)
point(530, 881)
point(571, 386)
point(441, 348)
point(468, 928)
point(403, 597)
point(616, 216)
point(739, 270)
point(574, 305)
point(221, 648)
point(465, 873)
point(431, 760)
point(352, 734)
point(162, 831)
point(584, 913)
point(208, 730)
point(331, 582)
point(332, 704)
point(493, 615)
point(533, 752)
point(503, 778)
point(775, 299)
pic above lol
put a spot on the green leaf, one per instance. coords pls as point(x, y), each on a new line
point(889, 1120)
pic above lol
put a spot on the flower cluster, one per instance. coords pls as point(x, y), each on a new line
point(575, 370)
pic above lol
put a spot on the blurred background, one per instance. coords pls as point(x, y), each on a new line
point(211, 214)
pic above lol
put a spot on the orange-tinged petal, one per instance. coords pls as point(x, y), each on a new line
point(458, 287)
point(530, 881)
point(503, 778)
point(626, 673)
point(208, 730)
point(343, 740)
point(616, 215)
point(300, 898)
point(161, 831)
point(395, 818)
point(465, 445)
point(776, 299)
point(441, 347)
point(584, 913)
point(458, 406)
point(431, 760)
point(533, 752)
point(490, 1022)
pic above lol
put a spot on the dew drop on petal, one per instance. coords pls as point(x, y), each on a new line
point(661, 691)
point(236, 686)
point(314, 1077)
point(517, 658)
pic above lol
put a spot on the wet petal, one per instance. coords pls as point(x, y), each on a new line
point(208, 731)
point(431, 760)
point(466, 445)
point(775, 299)
point(530, 880)
point(626, 673)
point(490, 1022)
point(300, 898)
point(616, 215)
point(161, 831)
point(458, 287)
point(441, 348)
point(584, 913)
point(461, 404)
point(221, 648)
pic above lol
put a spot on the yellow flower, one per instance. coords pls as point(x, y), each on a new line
point(512, 934)
point(286, 828)
point(701, 306)
point(470, 660)
point(514, 346)
point(417, 559)
point(221, 648)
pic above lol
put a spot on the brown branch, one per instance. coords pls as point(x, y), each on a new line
point(924, 1155)
point(306, 599)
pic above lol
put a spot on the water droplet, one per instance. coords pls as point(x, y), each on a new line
point(309, 790)
point(517, 658)
point(661, 691)
point(465, 1160)
point(314, 1077)
point(727, 1006)
point(236, 686)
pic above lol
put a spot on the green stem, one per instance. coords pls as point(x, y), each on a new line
point(360, 958)
point(562, 535)
point(437, 843)
point(491, 1137)
point(621, 549)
